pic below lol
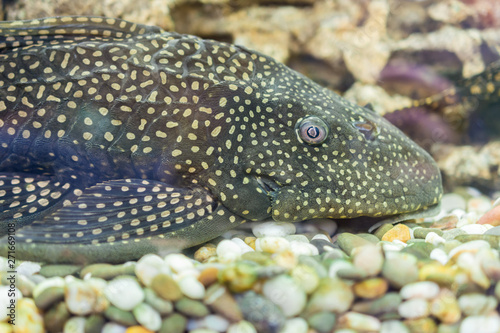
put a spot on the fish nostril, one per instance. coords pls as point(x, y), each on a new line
point(368, 128)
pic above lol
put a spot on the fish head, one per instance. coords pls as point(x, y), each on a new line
point(288, 148)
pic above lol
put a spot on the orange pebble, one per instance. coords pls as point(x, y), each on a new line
point(491, 217)
point(137, 329)
point(399, 231)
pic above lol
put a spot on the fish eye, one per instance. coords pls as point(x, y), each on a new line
point(312, 130)
point(368, 128)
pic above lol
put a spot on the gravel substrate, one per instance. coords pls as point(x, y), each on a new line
point(438, 275)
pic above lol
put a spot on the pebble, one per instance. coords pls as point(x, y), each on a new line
point(59, 270)
point(124, 293)
point(174, 323)
point(284, 292)
point(348, 242)
point(359, 322)
point(191, 287)
point(445, 307)
point(107, 271)
point(393, 326)
point(400, 269)
point(422, 289)
point(263, 314)
point(179, 263)
point(301, 248)
point(239, 277)
point(476, 229)
point(162, 306)
point(48, 297)
point(28, 317)
point(55, 317)
point(94, 324)
point(475, 304)
point(492, 217)
point(439, 255)
point(166, 287)
point(399, 232)
point(113, 328)
point(79, 297)
point(322, 245)
point(451, 201)
point(306, 277)
point(148, 267)
point(212, 322)
point(414, 308)
point(295, 325)
point(371, 288)
point(147, 316)
point(228, 251)
point(368, 258)
point(222, 302)
point(485, 324)
point(242, 326)
point(273, 229)
point(191, 308)
point(272, 244)
point(243, 246)
point(332, 294)
point(204, 253)
point(434, 239)
point(385, 304)
point(422, 232)
point(322, 322)
point(74, 325)
point(120, 316)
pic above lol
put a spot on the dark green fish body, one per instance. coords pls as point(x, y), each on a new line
point(118, 138)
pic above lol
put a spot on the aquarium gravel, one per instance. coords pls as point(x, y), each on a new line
point(435, 275)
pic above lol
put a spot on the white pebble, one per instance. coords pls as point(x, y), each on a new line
point(337, 265)
point(285, 293)
point(467, 218)
point(243, 246)
point(434, 239)
point(414, 308)
point(393, 326)
point(178, 262)
point(191, 287)
point(297, 238)
point(242, 326)
point(79, 297)
point(113, 328)
point(392, 246)
point(75, 325)
point(301, 248)
point(422, 289)
point(452, 201)
point(472, 246)
point(211, 322)
point(228, 251)
point(271, 244)
point(124, 293)
point(47, 283)
point(483, 324)
point(475, 229)
point(149, 266)
point(295, 325)
point(439, 255)
point(28, 268)
point(322, 236)
point(147, 316)
point(273, 229)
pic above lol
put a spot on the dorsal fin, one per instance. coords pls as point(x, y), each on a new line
point(37, 31)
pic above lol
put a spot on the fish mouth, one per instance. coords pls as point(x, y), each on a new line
point(269, 186)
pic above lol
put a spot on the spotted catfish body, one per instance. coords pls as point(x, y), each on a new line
point(117, 139)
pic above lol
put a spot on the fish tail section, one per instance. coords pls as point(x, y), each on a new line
point(15, 34)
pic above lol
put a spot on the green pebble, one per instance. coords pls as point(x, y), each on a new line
point(174, 323)
point(399, 269)
point(48, 297)
point(166, 287)
point(385, 304)
point(322, 322)
point(239, 277)
point(353, 273)
point(450, 245)
point(125, 318)
point(348, 242)
point(108, 271)
point(422, 232)
point(382, 230)
point(94, 324)
point(162, 306)
point(55, 318)
point(315, 264)
point(419, 250)
point(497, 291)
point(421, 325)
point(59, 270)
point(452, 233)
point(369, 237)
point(444, 328)
point(191, 308)
point(261, 258)
point(492, 239)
